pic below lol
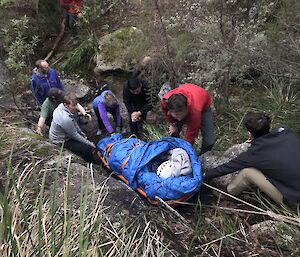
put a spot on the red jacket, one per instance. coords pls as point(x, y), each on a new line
point(77, 5)
point(198, 100)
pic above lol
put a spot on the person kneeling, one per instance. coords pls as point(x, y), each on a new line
point(65, 130)
point(271, 163)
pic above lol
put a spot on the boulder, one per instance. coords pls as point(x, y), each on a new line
point(282, 233)
point(210, 161)
point(116, 50)
point(76, 86)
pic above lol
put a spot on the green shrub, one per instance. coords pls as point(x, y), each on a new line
point(82, 54)
point(20, 44)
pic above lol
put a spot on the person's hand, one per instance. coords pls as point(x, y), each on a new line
point(83, 134)
point(250, 137)
point(88, 115)
point(172, 129)
point(79, 15)
point(39, 131)
point(136, 116)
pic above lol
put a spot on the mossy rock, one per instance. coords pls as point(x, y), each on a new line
point(120, 49)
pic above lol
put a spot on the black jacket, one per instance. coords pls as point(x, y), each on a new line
point(138, 102)
point(277, 156)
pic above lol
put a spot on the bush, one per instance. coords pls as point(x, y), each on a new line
point(19, 44)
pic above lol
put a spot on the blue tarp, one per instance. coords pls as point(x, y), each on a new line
point(138, 173)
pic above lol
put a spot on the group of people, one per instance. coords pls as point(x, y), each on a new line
point(271, 163)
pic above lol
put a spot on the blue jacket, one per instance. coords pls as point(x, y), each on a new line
point(41, 84)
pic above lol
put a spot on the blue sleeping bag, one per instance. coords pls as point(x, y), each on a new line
point(130, 157)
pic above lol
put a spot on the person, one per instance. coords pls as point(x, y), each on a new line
point(43, 78)
point(137, 103)
point(73, 11)
point(190, 104)
point(155, 73)
point(104, 103)
point(65, 130)
point(56, 96)
point(271, 163)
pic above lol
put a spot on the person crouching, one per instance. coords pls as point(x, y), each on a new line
point(65, 130)
point(105, 103)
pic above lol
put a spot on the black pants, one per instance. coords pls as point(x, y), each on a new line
point(100, 122)
point(87, 152)
point(70, 19)
point(137, 127)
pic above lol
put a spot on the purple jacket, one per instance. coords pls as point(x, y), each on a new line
point(101, 106)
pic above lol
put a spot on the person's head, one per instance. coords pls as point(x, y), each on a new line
point(56, 95)
point(258, 124)
point(42, 66)
point(134, 86)
point(70, 102)
point(110, 99)
point(177, 106)
point(146, 61)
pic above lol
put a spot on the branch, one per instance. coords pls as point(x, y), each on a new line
point(58, 39)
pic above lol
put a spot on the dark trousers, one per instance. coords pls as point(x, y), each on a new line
point(70, 19)
point(100, 122)
point(207, 131)
point(137, 127)
point(85, 151)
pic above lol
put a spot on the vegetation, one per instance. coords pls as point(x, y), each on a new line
point(20, 44)
point(246, 53)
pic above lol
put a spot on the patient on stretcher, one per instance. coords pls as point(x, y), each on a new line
point(174, 163)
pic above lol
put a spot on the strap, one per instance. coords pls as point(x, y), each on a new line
point(128, 157)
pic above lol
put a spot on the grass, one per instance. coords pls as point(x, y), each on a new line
point(80, 55)
point(35, 224)
point(41, 216)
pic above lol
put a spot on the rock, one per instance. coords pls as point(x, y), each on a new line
point(76, 86)
point(116, 50)
point(210, 161)
point(117, 198)
point(283, 234)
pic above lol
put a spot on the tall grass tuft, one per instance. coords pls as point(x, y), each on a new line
point(84, 53)
point(283, 93)
point(38, 219)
